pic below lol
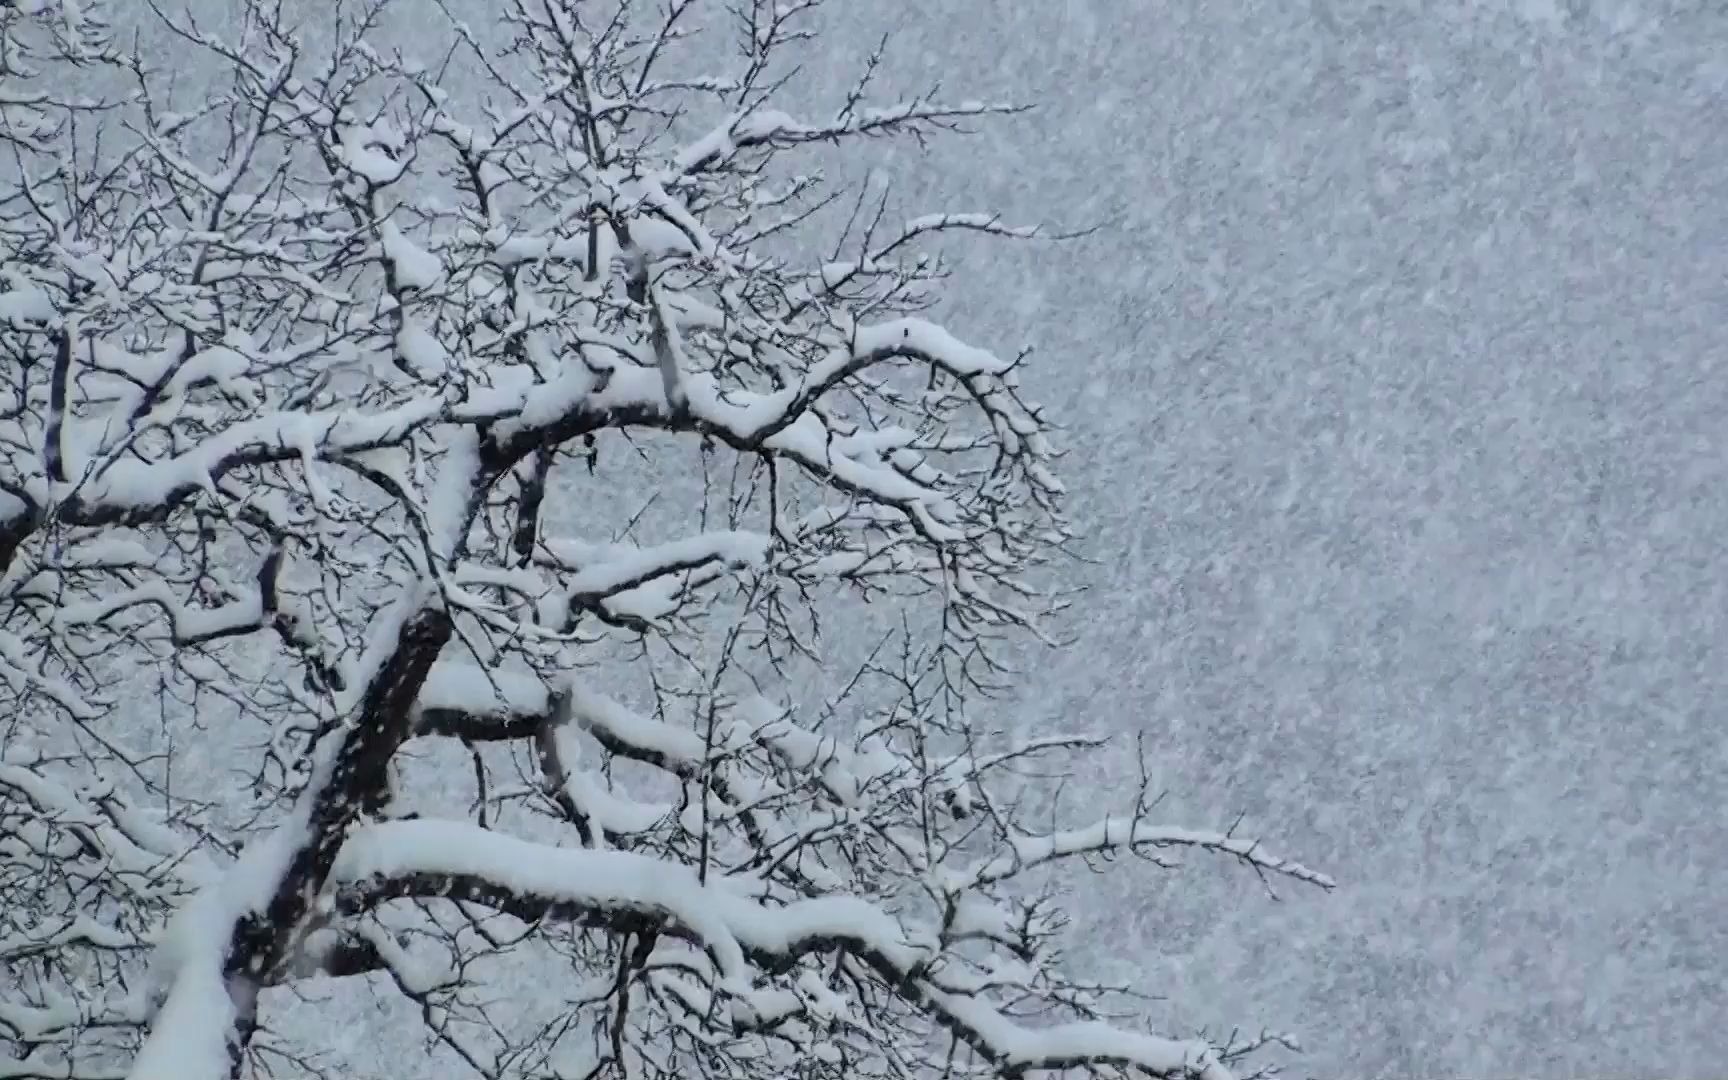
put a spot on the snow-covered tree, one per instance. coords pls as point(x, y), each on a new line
point(424, 516)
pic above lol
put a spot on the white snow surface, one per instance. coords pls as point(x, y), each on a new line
point(416, 268)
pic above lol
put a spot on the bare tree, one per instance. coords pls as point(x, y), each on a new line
point(343, 641)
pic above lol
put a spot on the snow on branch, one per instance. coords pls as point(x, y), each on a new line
point(771, 128)
point(1126, 833)
point(627, 891)
point(472, 863)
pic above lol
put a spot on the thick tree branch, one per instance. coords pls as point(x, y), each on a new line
point(626, 893)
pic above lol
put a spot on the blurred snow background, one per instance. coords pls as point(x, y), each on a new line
point(1399, 438)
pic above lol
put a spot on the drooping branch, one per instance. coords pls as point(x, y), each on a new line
point(628, 893)
point(1128, 833)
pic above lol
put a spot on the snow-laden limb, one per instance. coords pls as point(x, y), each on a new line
point(626, 891)
point(430, 540)
point(189, 625)
point(1127, 833)
point(448, 860)
point(463, 700)
point(201, 1010)
point(127, 490)
point(759, 128)
point(461, 860)
point(1016, 1049)
point(190, 1032)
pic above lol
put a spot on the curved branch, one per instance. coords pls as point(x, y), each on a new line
point(628, 893)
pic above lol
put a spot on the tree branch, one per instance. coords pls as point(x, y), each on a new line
point(625, 893)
